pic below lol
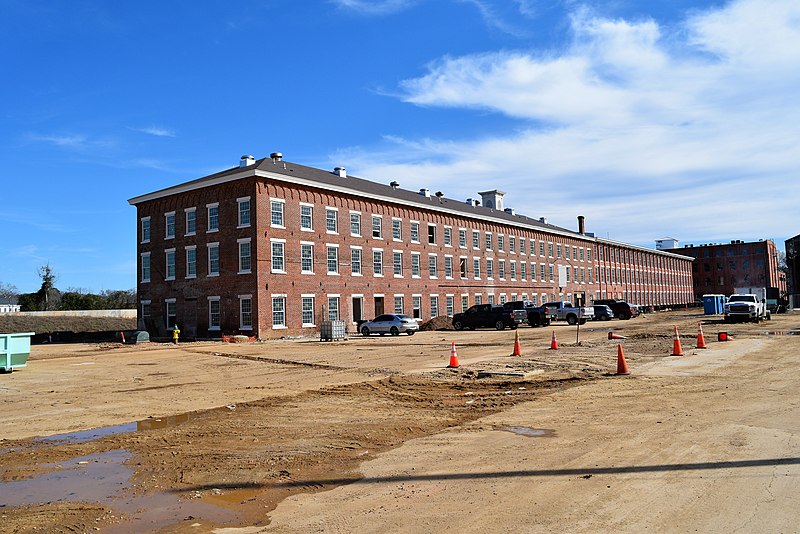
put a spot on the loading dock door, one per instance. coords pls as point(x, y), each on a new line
point(357, 309)
point(378, 306)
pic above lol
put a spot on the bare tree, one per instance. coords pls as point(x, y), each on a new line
point(8, 291)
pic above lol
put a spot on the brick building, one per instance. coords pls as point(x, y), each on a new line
point(271, 247)
point(721, 267)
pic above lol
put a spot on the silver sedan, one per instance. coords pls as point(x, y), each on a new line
point(390, 324)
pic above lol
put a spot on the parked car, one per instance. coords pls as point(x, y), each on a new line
point(485, 315)
point(390, 324)
point(602, 312)
point(563, 310)
point(621, 309)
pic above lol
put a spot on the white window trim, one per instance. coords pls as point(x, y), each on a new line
point(239, 251)
point(401, 263)
point(444, 241)
point(337, 272)
point(239, 212)
point(478, 277)
point(186, 253)
point(410, 235)
point(358, 247)
point(282, 201)
point(141, 227)
point(242, 297)
point(208, 208)
point(383, 261)
point(215, 328)
point(313, 311)
point(435, 276)
point(307, 243)
point(285, 305)
point(175, 267)
point(142, 255)
point(209, 246)
point(372, 226)
point(186, 211)
point(174, 224)
point(400, 220)
point(419, 265)
point(360, 223)
point(327, 209)
point(300, 213)
point(277, 240)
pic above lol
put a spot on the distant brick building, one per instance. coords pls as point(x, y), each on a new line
point(720, 268)
point(271, 248)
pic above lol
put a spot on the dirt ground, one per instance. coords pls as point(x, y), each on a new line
point(376, 434)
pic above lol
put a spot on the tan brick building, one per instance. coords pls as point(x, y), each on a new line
point(272, 248)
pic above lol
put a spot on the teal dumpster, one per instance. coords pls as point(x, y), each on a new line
point(14, 350)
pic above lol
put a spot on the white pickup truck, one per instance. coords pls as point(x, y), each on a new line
point(564, 311)
point(746, 307)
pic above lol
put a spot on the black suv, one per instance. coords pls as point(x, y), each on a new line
point(484, 315)
point(621, 309)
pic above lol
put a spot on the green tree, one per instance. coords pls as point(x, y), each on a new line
point(48, 295)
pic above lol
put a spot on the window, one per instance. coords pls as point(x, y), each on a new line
point(489, 268)
point(416, 306)
point(522, 246)
point(191, 221)
point(279, 312)
point(355, 224)
point(434, 306)
point(377, 230)
point(448, 267)
point(170, 257)
point(145, 308)
point(501, 243)
point(462, 238)
point(462, 266)
point(501, 269)
point(512, 244)
point(213, 313)
point(213, 259)
point(464, 302)
point(476, 240)
point(332, 220)
point(397, 264)
point(213, 216)
point(306, 217)
point(415, 232)
point(552, 274)
point(171, 313)
point(450, 304)
point(581, 254)
point(307, 258)
point(355, 261)
point(170, 225)
point(276, 213)
point(244, 255)
point(307, 306)
point(244, 211)
point(415, 269)
point(588, 254)
point(333, 259)
point(377, 262)
point(488, 241)
point(478, 298)
point(333, 308)
point(397, 231)
point(542, 272)
point(502, 298)
point(278, 257)
point(191, 262)
point(145, 267)
point(146, 230)
point(558, 250)
point(246, 312)
point(490, 299)
point(523, 269)
point(432, 265)
point(541, 248)
point(476, 267)
point(398, 304)
point(513, 270)
point(448, 236)
point(431, 234)
point(567, 270)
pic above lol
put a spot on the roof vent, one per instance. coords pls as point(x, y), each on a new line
point(510, 211)
point(246, 161)
point(394, 185)
point(469, 201)
point(341, 171)
point(543, 220)
point(276, 156)
point(476, 203)
point(425, 192)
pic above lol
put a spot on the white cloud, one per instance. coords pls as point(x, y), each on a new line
point(156, 131)
point(375, 7)
point(646, 130)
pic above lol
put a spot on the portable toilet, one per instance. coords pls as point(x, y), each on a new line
point(713, 304)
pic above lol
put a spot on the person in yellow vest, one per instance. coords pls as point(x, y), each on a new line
point(175, 334)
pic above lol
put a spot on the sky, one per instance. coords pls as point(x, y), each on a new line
point(653, 119)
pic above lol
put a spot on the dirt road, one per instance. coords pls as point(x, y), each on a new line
point(375, 435)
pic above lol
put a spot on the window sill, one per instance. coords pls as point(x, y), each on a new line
point(167, 238)
point(307, 272)
point(245, 272)
point(190, 234)
point(377, 275)
point(278, 226)
point(398, 276)
point(310, 230)
point(331, 273)
point(213, 328)
point(331, 232)
point(144, 242)
point(212, 230)
point(169, 278)
point(279, 327)
point(356, 274)
point(309, 325)
point(145, 281)
point(276, 271)
point(212, 275)
point(248, 328)
point(191, 276)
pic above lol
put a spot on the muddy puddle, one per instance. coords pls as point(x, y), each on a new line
point(84, 436)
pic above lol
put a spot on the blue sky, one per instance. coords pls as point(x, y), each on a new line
point(652, 119)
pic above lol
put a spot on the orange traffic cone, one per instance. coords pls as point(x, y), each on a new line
point(676, 345)
point(612, 335)
point(122, 335)
point(517, 347)
point(453, 356)
point(622, 365)
point(554, 342)
point(701, 341)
